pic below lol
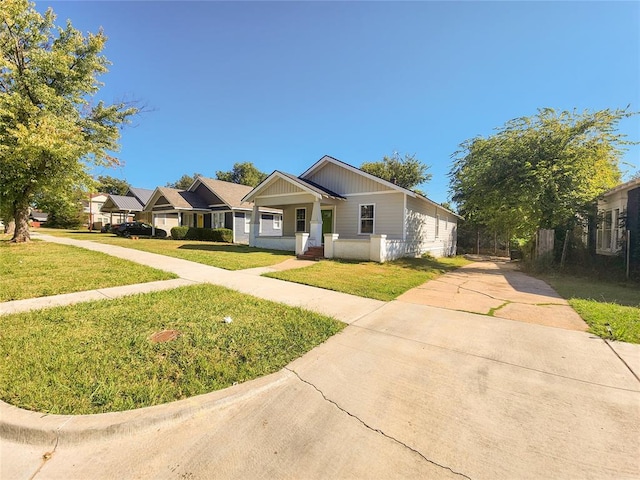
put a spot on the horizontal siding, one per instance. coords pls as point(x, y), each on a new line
point(388, 213)
point(343, 181)
point(289, 218)
point(421, 229)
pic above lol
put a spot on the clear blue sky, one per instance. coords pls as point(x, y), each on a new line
point(281, 84)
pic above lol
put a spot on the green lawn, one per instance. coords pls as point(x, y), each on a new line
point(221, 255)
point(602, 303)
point(369, 279)
point(39, 269)
point(98, 357)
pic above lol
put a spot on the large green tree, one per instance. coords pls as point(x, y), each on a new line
point(244, 173)
point(51, 132)
point(111, 185)
point(407, 172)
point(543, 171)
point(184, 182)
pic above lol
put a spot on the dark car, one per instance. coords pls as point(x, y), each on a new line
point(130, 229)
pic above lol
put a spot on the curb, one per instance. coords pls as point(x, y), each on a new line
point(34, 428)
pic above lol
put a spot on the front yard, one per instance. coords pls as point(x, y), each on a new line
point(100, 356)
point(369, 279)
point(215, 254)
point(39, 269)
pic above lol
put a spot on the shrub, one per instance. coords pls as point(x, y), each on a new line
point(179, 233)
point(202, 234)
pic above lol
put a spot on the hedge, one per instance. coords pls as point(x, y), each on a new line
point(205, 234)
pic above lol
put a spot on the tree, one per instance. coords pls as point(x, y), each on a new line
point(538, 172)
point(244, 174)
point(111, 185)
point(184, 182)
point(50, 130)
point(407, 172)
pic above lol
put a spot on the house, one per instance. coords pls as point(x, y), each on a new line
point(92, 207)
point(347, 213)
point(128, 207)
point(619, 219)
point(210, 203)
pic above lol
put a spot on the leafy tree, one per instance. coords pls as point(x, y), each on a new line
point(184, 182)
point(244, 173)
point(64, 211)
point(407, 172)
point(111, 185)
point(50, 131)
point(538, 172)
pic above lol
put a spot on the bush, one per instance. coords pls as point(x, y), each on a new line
point(179, 233)
point(202, 234)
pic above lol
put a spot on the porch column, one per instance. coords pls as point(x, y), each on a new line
point(254, 226)
point(315, 225)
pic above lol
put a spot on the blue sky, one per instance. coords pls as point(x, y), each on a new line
point(281, 84)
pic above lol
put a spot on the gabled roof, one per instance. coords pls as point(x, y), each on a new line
point(314, 189)
point(142, 194)
point(179, 199)
point(116, 203)
point(230, 193)
point(328, 159)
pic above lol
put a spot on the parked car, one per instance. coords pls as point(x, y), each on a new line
point(129, 229)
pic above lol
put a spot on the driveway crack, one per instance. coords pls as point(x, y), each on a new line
point(377, 430)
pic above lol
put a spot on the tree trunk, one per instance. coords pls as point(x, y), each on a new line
point(21, 233)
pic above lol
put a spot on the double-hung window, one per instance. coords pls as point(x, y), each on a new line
point(366, 218)
point(277, 222)
point(301, 219)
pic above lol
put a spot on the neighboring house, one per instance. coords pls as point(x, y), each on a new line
point(619, 219)
point(210, 203)
point(351, 214)
point(92, 208)
point(128, 207)
point(38, 218)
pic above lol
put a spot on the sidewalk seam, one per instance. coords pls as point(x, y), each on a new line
point(376, 430)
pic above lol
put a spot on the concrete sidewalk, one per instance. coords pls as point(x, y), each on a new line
point(405, 391)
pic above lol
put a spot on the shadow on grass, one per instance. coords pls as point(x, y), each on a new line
point(221, 247)
point(421, 264)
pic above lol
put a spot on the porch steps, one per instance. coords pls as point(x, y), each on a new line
point(312, 253)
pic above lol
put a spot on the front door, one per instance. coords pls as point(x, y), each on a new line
point(327, 222)
point(200, 220)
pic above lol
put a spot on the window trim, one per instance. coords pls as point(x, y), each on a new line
point(304, 229)
point(277, 221)
point(437, 225)
point(247, 223)
point(372, 219)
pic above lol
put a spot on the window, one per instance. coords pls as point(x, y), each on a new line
point(437, 226)
point(277, 222)
point(606, 233)
point(301, 219)
point(367, 215)
point(217, 220)
point(247, 222)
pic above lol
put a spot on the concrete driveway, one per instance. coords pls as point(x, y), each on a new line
point(497, 288)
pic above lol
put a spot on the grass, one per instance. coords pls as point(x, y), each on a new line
point(611, 309)
point(384, 281)
point(39, 269)
point(221, 255)
point(97, 357)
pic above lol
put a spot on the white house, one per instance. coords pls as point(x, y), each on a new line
point(341, 211)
